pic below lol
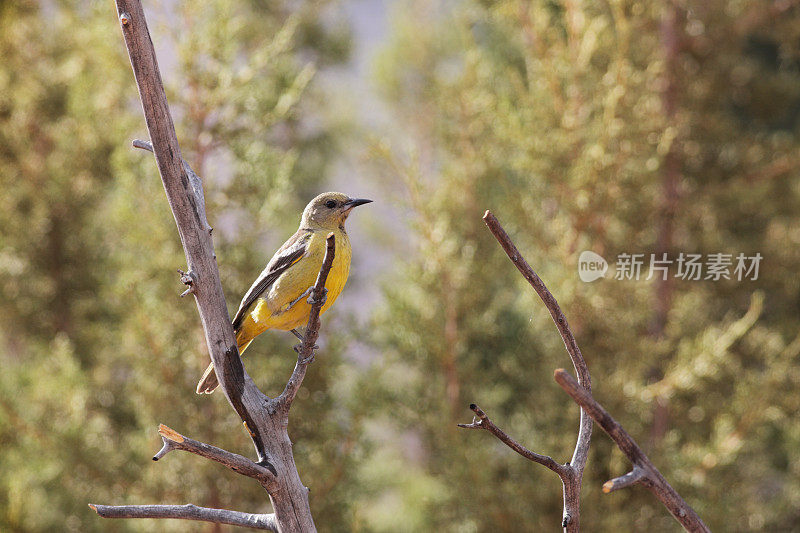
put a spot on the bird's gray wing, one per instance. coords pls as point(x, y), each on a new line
point(286, 256)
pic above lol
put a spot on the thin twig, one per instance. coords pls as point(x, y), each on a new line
point(195, 181)
point(631, 478)
point(189, 279)
point(188, 512)
point(581, 452)
point(547, 297)
point(571, 473)
point(481, 421)
point(648, 475)
point(305, 354)
point(242, 465)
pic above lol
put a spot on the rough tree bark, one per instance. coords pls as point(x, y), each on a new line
point(265, 418)
point(571, 474)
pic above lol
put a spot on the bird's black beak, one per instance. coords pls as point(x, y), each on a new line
point(355, 202)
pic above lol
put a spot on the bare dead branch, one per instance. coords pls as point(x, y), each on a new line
point(276, 468)
point(195, 181)
point(571, 474)
point(305, 353)
point(188, 512)
point(547, 297)
point(481, 421)
point(242, 465)
point(189, 216)
point(581, 453)
point(188, 279)
point(643, 472)
point(631, 478)
point(647, 475)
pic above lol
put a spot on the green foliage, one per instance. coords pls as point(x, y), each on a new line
point(555, 116)
point(566, 120)
point(97, 348)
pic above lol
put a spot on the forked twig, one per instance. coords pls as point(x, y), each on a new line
point(305, 353)
point(571, 473)
point(644, 471)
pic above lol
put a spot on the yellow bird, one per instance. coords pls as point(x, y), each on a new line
point(278, 298)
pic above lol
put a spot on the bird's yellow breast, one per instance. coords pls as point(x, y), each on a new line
point(279, 307)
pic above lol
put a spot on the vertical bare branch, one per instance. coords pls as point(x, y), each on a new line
point(190, 217)
point(305, 353)
point(571, 474)
point(547, 297)
point(644, 471)
point(265, 418)
point(574, 473)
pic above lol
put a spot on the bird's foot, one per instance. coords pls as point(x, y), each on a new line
point(311, 300)
point(298, 347)
point(297, 334)
point(307, 360)
point(305, 293)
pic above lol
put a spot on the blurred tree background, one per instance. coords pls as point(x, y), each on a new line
point(97, 348)
point(618, 127)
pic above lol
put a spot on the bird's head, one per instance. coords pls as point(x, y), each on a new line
point(329, 210)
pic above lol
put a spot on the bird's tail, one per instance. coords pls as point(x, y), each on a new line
point(208, 383)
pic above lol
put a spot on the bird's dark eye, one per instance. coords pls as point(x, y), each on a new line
point(330, 204)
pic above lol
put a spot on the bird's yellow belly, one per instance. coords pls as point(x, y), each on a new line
point(280, 307)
